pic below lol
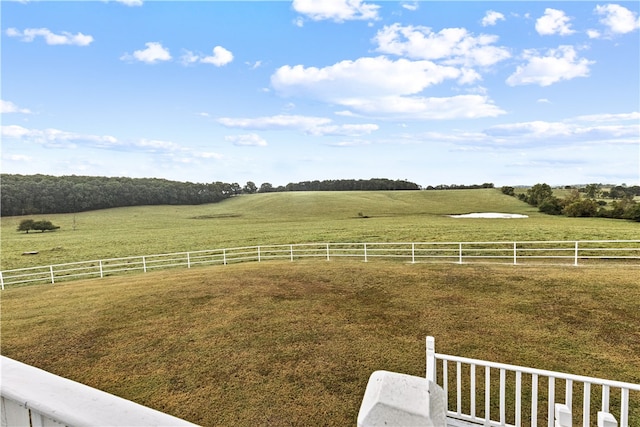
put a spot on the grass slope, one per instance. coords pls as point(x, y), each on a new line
point(294, 343)
point(295, 217)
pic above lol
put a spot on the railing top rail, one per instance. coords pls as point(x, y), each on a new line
point(540, 372)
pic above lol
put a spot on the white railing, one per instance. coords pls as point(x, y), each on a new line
point(32, 397)
point(517, 253)
point(477, 392)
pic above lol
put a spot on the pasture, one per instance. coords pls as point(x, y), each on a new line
point(296, 217)
point(281, 343)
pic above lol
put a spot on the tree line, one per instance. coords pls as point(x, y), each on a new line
point(46, 194)
point(460, 187)
point(587, 201)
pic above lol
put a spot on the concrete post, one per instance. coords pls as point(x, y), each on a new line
point(399, 399)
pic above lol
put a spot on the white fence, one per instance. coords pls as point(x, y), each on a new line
point(534, 394)
point(534, 252)
point(32, 397)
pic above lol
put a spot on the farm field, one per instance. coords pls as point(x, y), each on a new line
point(295, 217)
point(283, 343)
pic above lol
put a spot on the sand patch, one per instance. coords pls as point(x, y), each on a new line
point(490, 215)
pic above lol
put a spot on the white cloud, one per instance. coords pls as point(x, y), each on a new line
point(248, 140)
point(453, 46)
point(189, 58)
point(153, 53)
point(279, 122)
point(65, 38)
point(154, 145)
point(209, 155)
point(17, 157)
point(343, 130)
point(364, 77)
point(377, 86)
point(254, 65)
point(220, 57)
point(130, 2)
point(10, 107)
point(618, 19)
point(491, 18)
point(316, 126)
point(604, 118)
point(410, 6)
point(541, 135)
point(55, 138)
point(422, 108)
point(577, 130)
point(594, 34)
point(336, 10)
point(556, 65)
point(554, 22)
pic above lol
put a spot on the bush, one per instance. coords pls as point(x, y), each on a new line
point(583, 208)
point(551, 206)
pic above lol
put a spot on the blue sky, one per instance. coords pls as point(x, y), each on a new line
point(509, 92)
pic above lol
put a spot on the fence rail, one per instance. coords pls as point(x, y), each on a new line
point(519, 395)
point(517, 253)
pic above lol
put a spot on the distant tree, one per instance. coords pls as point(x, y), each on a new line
point(235, 188)
point(551, 206)
point(538, 193)
point(633, 212)
point(266, 188)
point(583, 208)
point(592, 190)
point(26, 225)
point(249, 188)
point(42, 225)
point(509, 191)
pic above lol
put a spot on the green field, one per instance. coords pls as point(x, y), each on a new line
point(295, 217)
point(281, 343)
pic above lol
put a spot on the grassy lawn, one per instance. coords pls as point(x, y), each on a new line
point(284, 343)
point(297, 217)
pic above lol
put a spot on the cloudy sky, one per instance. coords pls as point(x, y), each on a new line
point(509, 92)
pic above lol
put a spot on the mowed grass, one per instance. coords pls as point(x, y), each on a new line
point(294, 217)
point(281, 343)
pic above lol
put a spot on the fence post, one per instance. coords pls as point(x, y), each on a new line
point(327, 252)
point(586, 407)
point(291, 248)
point(101, 271)
point(365, 252)
point(460, 253)
point(224, 257)
point(576, 256)
point(1, 281)
point(258, 253)
point(51, 271)
point(188, 260)
point(413, 253)
point(144, 264)
point(431, 359)
point(551, 397)
point(515, 253)
point(624, 407)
